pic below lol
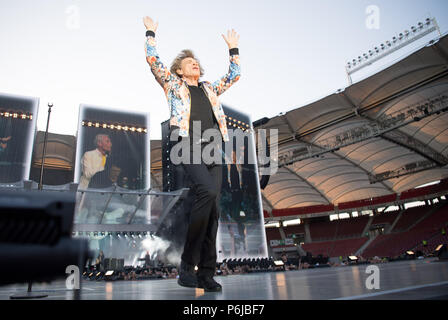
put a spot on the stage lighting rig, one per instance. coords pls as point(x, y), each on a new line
point(114, 126)
point(404, 38)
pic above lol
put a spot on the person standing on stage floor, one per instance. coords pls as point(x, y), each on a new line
point(191, 100)
point(95, 164)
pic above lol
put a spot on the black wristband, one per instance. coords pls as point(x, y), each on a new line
point(234, 51)
point(150, 33)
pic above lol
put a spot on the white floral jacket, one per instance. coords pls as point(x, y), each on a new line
point(178, 94)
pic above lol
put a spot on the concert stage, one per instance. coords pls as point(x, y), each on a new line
point(406, 280)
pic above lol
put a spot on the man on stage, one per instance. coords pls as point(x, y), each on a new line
point(193, 101)
point(96, 164)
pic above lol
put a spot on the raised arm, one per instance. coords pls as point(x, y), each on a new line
point(234, 73)
point(158, 69)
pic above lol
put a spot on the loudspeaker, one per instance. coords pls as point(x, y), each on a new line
point(35, 236)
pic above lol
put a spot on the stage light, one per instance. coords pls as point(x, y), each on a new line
point(410, 252)
point(109, 273)
point(352, 258)
point(279, 263)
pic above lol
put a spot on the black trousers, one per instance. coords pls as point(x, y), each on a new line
point(200, 244)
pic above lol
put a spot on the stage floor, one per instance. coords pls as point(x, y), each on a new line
point(405, 280)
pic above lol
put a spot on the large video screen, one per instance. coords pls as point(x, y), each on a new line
point(17, 131)
point(241, 223)
point(112, 154)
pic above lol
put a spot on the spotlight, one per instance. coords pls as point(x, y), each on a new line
point(279, 263)
point(352, 259)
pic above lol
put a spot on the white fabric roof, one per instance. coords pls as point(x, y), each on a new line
point(343, 175)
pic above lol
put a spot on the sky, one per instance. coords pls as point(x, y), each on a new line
point(293, 52)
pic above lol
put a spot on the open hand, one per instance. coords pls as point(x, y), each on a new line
point(150, 24)
point(231, 39)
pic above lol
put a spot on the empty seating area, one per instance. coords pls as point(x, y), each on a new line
point(335, 248)
point(323, 230)
point(385, 218)
point(273, 234)
point(349, 228)
point(344, 237)
point(409, 217)
point(397, 243)
point(435, 221)
point(297, 229)
point(338, 229)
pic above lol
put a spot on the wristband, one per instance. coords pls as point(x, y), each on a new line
point(234, 51)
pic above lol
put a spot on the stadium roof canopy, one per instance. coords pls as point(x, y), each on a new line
point(387, 134)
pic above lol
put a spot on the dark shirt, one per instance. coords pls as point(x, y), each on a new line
point(201, 110)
